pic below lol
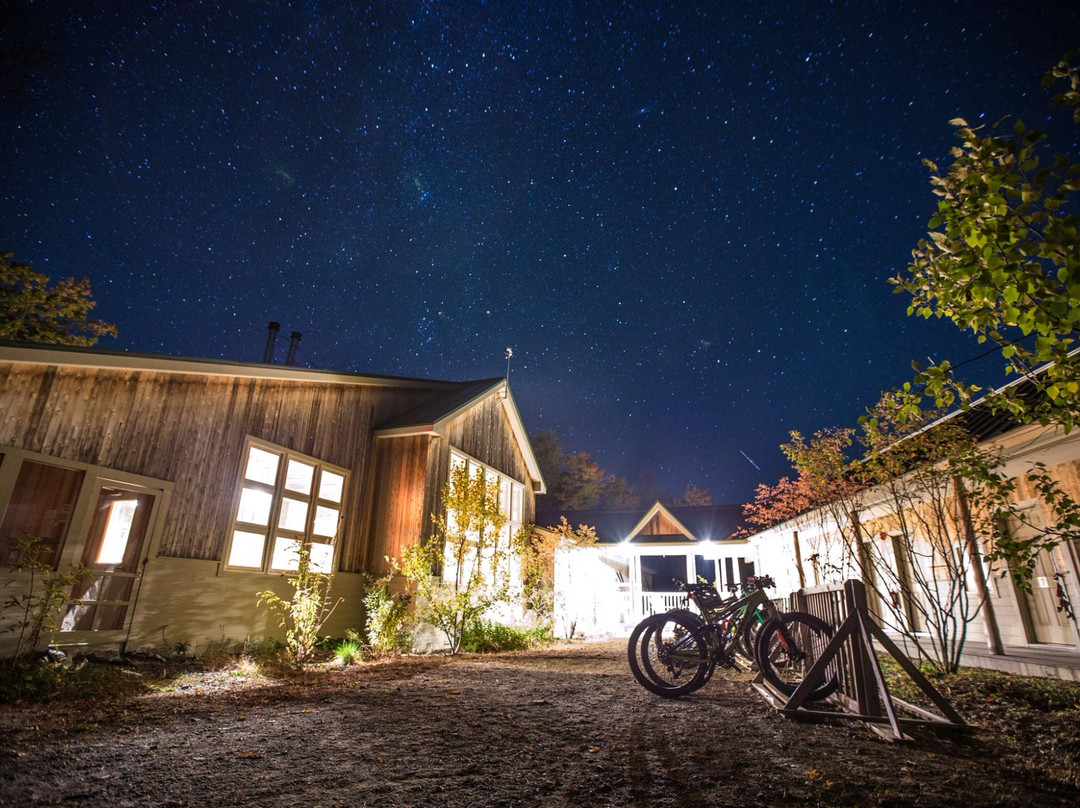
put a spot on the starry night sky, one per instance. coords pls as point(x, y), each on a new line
point(680, 218)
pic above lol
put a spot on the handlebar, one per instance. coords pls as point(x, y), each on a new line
point(751, 583)
point(705, 594)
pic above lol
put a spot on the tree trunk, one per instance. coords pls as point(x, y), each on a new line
point(798, 559)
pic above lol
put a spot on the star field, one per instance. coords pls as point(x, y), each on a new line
point(681, 219)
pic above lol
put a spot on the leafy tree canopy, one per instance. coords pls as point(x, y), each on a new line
point(693, 495)
point(33, 311)
point(580, 483)
point(1002, 258)
point(576, 481)
point(548, 450)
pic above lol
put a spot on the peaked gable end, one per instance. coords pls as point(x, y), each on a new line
point(659, 521)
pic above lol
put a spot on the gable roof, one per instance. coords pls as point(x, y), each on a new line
point(433, 416)
point(658, 524)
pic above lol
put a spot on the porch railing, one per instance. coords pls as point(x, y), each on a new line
point(657, 602)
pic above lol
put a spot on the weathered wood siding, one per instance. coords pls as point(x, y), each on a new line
point(484, 432)
point(1066, 474)
point(397, 494)
point(410, 473)
point(660, 525)
point(190, 429)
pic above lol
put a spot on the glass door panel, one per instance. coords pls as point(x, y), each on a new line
point(113, 552)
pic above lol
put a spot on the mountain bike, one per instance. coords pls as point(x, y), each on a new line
point(677, 652)
point(664, 654)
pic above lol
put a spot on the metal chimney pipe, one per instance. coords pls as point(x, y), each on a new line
point(294, 343)
point(271, 341)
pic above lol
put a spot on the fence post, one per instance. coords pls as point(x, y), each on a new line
point(798, 559)
point(971, 543)
point(797, 601)
point(866, 690)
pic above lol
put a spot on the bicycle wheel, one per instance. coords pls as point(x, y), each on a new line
point(668, 655)
point(788, 647)
point(699, 622)
point(751, 627)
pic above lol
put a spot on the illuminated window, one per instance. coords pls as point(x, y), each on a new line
point(511, 492)
point(285, 499)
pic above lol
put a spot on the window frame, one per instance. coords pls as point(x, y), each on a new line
point(511, 491)
point(71, 549)
point(273, 534)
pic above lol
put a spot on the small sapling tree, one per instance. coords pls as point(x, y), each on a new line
point(470, 550)
point(538, 563)
point(39, 605)
point(303, 615)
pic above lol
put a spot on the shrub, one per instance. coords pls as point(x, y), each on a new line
point(46, 591)
point(34, 681)
point(304, 615)
point(388, 623)
point(48, 679)
point(486, 636)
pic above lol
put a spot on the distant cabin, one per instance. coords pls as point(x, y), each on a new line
point(640, 557)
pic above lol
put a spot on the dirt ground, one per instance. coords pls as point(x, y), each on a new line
point(562, 726)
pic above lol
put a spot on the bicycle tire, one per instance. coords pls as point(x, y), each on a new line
point(787, 648)
point(751, 627)
point(689, 639)
point(668, 655)
point(706, 628)
point(702, 625)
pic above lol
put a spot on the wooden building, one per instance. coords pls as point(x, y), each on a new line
point(186, 485)
point(907, 577)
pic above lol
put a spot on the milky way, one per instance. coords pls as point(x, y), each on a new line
point(681, 220)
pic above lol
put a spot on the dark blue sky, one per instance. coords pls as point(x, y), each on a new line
point(680, 218)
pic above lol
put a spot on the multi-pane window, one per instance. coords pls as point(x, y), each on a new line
point(286, 499)
point(511, 492)
point(496, 550)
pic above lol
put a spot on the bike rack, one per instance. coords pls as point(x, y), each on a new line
point(865, 695)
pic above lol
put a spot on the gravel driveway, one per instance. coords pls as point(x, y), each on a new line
point(563, 726)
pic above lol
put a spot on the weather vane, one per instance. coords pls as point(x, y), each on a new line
point(509, 353)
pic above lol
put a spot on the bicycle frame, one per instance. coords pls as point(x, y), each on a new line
point(726, 623)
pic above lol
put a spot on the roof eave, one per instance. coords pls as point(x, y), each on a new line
point(95, 358)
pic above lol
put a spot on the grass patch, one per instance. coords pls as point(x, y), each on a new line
point(1036, 720)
